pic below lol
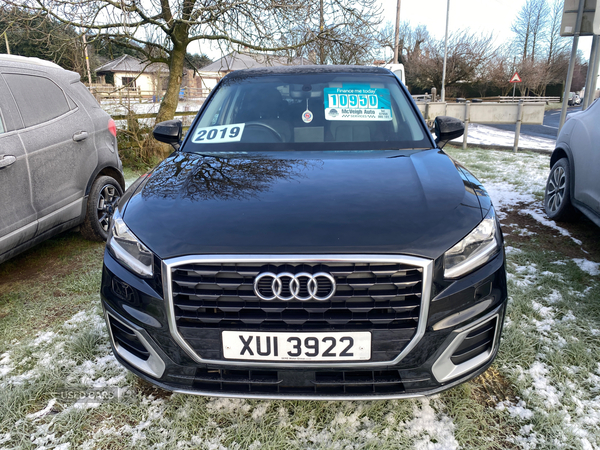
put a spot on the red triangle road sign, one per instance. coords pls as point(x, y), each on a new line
point(515, 78)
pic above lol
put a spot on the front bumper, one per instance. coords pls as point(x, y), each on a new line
point(457, 313)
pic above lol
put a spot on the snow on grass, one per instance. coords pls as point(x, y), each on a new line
point(513, 181)
point(550, 347)
point(540, 216)
point(588, 267)
point(486, 135)
point(550, 352)
point(436, 433)
point(76, 357)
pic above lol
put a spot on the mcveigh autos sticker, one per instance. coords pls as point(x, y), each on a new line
point(357, 103)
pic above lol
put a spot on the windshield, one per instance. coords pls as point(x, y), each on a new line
point(308, 112)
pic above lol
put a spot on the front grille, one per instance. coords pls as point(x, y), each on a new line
point(478, 341)
point(384, 298)
point(343, 383)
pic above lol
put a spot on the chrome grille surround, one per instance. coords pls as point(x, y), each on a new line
point(169, 265)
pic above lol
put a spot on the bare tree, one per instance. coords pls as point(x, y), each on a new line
point(530, 27)
point(163, 29)
point(410, 40)
point(539, 24)
point(557, 45)
point(40, 36)
point(354, 40)
point(468, 53)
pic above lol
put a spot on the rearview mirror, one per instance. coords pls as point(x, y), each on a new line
point(446, 129)
point(169, 132)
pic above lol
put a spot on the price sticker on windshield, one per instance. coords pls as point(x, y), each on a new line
point(357, 103)
point(219, 134)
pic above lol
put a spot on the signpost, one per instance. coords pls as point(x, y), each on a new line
point(580, 18)
point(584, 23)
point(590, 18)
point(514, 80)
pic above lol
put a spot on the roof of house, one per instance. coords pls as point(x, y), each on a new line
point(239, 60)
point(128, 63)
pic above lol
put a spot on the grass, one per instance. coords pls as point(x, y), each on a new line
point(53, 340)
point(47, 285)
point(551, 106)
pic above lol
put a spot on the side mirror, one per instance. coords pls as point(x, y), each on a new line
point(446, 129)
point(169, 132)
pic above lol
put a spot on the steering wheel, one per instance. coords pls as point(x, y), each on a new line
point(268, 127)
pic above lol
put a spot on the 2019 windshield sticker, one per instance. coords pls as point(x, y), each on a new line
point(219, 134)
point(357, 103)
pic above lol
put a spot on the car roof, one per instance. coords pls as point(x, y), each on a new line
point(48, 67)
point(28, 60)
point(306, 70)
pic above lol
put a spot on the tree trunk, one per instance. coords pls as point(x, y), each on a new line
point(168, 106)
point(526, 42)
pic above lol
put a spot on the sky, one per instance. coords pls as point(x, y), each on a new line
point(486, 16)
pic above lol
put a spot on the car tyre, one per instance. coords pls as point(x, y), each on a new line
point(557, 198)
point(101, 204)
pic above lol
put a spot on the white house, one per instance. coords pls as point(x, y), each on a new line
point(133, 74)
point(211, 74)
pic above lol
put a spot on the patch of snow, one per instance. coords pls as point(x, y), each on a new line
point(519, 410)
point(544, 311)
point(554, 297)
point(523, 276)
point(542, 385)
point(42, 412)
point(505, 196)
point(227, 405)
point(434, 431)
point(43, 338)
point(5, 364)
point(260, 410)
point(541, 218)
point(588, 267)
point(512, 250)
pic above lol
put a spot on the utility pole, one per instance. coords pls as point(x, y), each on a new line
point(594, 79)
point(565, 99)
point(321, 28)
point(87, 60)
point(443, 94)
point(397, 36)
point(6, 40)
point(592, 74)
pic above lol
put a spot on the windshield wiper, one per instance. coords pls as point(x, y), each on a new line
point(405, 149)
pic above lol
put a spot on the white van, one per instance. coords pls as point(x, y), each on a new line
point(397, 69)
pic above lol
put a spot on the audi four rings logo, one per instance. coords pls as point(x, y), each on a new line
point(291, 283)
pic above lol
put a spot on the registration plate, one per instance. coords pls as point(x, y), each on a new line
point(264, 346)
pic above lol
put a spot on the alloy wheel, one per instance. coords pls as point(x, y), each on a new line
point(556, 188)
point(107, 202)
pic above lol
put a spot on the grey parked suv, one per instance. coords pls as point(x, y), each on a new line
point(59, 164)
point(573, 186)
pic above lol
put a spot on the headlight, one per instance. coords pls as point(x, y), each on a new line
point(127, 249)
point(480, 245)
